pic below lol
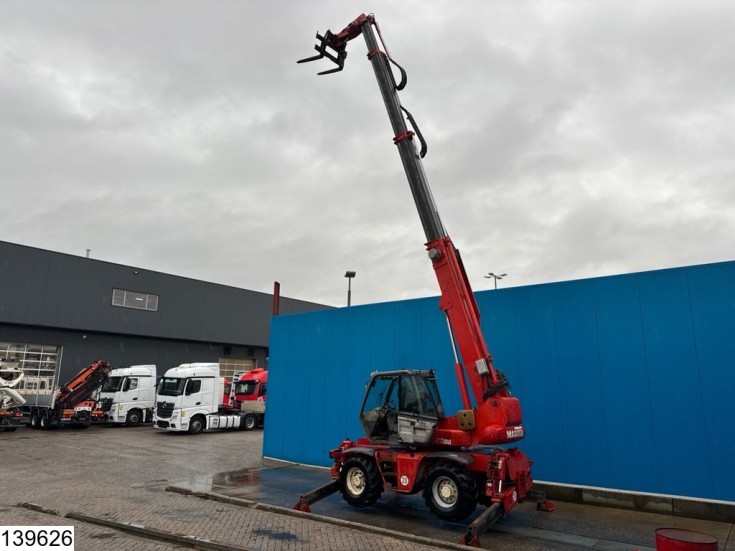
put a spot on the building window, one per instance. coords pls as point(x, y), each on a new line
point(132, 299)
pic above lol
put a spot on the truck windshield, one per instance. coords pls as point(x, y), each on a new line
point(246, 387)
point(112, 384)
point(171, 387)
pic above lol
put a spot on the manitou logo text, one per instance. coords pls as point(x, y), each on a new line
point(514, 433)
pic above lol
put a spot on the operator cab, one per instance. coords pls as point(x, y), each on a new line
point(401, 407)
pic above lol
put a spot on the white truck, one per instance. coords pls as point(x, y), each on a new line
point(190, 398)
point(129, 395)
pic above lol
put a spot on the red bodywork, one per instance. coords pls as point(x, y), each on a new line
point(77, 392)
point(228, 395)
point(408, 469)
point(251, 386)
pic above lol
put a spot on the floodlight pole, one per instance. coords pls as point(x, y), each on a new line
point(496, 277)
point(349, 276)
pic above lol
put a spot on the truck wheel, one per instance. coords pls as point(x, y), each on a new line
point(196, 425)
point(250, 421)
point(43, 421)
point(133, 418)
point(360, 481)
point(34, 419)
point(450, 492)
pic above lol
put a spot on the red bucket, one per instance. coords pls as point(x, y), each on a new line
point(679, 539)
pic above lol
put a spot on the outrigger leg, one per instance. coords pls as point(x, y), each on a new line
point(315, 495)
point(495, 512)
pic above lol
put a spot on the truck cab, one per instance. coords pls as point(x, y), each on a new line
point(189, 398)
point(251, 386)
point(129, 395)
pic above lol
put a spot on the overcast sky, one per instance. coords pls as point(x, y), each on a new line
point(567, 139)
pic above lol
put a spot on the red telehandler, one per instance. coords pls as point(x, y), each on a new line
point(411, 444)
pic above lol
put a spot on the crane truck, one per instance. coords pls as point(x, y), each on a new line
point(411, 444)
point(73, 403)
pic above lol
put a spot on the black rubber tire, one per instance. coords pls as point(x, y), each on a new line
point(134, 418)
point(250, 421)
point(360, 482)
point(450, 492)
point(34, 419)
point(43, 423)
point(196, 425)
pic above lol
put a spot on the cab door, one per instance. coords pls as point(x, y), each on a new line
point(130, 391)
point(401, 407)
point(418, 410)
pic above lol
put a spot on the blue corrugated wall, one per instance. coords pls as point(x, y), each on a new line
point(626, 382)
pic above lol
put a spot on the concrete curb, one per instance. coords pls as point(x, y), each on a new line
point(153, 533)
point(140, 530)
point(39, 509)
point(401, 536)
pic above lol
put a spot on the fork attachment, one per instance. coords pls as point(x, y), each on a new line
point(334, 46)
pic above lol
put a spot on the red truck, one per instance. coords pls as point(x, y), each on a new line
point(250, 393)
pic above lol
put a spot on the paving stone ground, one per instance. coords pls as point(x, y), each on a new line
point(120, 474)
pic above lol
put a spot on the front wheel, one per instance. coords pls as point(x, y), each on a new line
point(450, 492)
point(134, 418)
point(196, 425)
point(360, 482)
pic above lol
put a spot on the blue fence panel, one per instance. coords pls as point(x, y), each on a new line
point(631, 452)
point(626, 382)
point(712, 291)
point(675, 391)
point(542, 407)
point(500, 327)
point(582, 392)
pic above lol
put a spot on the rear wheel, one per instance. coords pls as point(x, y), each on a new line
point(43, 421)
point(134, 418)
point(360, 481)
point(196, 425)
point(450, 492)
point(250, 421)
point(34, 419)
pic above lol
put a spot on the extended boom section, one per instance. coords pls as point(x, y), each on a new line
point(411, 445)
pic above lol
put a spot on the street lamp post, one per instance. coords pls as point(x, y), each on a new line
point(349, 276)
point(496, 277)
